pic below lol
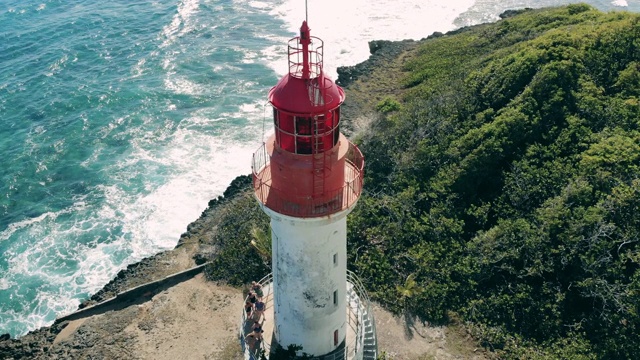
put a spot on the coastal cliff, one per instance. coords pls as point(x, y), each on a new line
point(502, 196)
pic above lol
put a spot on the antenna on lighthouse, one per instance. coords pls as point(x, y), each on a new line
point(306, 11)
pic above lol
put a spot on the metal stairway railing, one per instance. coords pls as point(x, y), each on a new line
point(359, 318)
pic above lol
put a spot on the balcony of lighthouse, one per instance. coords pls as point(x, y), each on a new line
point(361, 339)
point(285, 202)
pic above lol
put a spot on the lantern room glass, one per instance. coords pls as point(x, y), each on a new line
point(306, 135)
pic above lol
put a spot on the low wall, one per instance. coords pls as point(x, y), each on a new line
point(136, 295)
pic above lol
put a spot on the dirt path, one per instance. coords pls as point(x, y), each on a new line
point(402, 340)
point(195, 319)
point(198, 319)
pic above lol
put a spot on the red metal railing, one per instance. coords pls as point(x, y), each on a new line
point(307, 206)
point(296, 57)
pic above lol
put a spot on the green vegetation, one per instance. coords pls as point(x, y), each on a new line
point(388, 105)
point(506, 189)
point(290, 353)
point(238, 220)
point(502, 188)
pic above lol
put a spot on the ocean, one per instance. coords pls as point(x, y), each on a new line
point(120, 120)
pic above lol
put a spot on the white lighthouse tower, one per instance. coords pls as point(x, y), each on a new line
point(307, 178)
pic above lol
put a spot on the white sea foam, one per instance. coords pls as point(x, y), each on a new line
point(180, 23)
point(249, 57)
point(259, 4)
point(154, 220)
point(13, 227)
point(138, 69)
point(58, 65)
point(225, 67)
point(275, 56)
point(620, 3)
point(6, 284)
point(346, 31)
point(129, 224)
point(44, 264)
point(182, 85)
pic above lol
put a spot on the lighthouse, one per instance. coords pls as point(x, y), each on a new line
point(307, 178)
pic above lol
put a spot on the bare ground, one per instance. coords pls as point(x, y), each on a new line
point(198, 319)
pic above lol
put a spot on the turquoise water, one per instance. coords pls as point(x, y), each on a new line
point(120, 120)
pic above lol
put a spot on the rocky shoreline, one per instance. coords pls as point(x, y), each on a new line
point(162, 264)
point(188, 253)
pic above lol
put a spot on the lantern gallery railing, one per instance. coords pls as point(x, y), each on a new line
point(280, 200)
point(296, 57)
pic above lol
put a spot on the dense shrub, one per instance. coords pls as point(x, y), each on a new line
point(233, 258)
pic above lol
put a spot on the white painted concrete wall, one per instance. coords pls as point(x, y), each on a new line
point(305, 278)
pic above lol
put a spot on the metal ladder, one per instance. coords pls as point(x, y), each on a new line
point(321, 163)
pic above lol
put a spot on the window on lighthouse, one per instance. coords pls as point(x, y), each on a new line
point(283, 123)
point(336, 125)
point(304, 130)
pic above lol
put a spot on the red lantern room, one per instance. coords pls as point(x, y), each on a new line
point(306, 104)
point(304, 169)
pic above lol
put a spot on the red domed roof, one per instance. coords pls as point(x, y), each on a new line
point(306, 90)
point(295, 95)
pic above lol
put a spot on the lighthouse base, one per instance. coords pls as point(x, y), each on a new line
point(277, 352)
point(361, 339)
